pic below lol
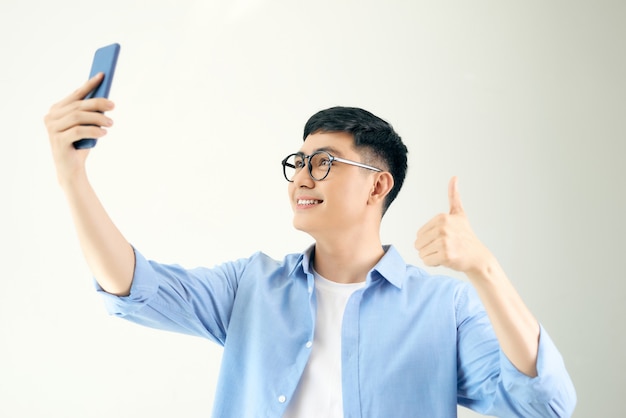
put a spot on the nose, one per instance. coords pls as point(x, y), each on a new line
point(303, 179)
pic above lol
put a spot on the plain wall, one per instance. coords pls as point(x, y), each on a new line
point(524, 101)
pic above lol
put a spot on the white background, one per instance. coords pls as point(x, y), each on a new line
point(524, 101)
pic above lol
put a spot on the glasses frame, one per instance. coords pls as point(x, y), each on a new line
point(331, 159)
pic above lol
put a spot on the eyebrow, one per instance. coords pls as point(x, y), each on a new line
point(330, 150)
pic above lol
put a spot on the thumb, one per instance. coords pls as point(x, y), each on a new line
point(454, 197)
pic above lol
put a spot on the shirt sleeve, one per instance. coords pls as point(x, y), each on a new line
point(169, 297)
point(490, 384)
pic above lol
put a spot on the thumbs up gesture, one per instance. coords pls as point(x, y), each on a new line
point(448, 240)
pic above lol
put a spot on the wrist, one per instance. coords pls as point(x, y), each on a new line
point(486, 269)
point(74, 181)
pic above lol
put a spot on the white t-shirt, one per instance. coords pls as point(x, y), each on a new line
point(319, 392)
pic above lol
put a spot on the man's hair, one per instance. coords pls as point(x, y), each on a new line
point(371, 134)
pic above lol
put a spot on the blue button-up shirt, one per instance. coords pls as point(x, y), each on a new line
point(413, 344)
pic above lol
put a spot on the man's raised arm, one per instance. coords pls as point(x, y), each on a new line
point(109, 256)
point(448, 240)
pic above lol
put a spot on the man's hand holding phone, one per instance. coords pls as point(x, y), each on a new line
point(76, 122)
point(73, 119)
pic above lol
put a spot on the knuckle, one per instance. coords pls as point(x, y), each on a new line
point(52, 114)
point(442, 220)
point(445, 247)
point(73, 118)
point(79, 105)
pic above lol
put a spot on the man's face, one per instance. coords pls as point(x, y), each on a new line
point(337, 203)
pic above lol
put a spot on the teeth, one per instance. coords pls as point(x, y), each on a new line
point(308, 202)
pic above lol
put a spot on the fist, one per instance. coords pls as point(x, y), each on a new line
point(448, 240)
point(72, 119)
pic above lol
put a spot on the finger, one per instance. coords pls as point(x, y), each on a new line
point(454, 197)
point(433, 223)
point(77, 111)
point(98, 104)
point(426, 238)
point(83, 90)
point(79, 132)
point(431, 254)
point(72, 119)
point(439, 225)
point(429, 226)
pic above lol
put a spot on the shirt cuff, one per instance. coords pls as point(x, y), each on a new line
point(552, 380)
point(143, 287)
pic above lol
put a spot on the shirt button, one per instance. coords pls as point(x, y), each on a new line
point(309, 344)
point(310, 289)
point(282, 398)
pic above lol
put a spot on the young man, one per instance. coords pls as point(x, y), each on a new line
point(346, 328)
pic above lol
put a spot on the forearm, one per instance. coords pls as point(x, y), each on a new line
point(515, 326)
point(110, 257)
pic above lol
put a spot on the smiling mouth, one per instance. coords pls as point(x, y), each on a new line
point(308, 202)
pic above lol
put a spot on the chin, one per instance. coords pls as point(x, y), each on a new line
point(299, 225)
point(303, 225)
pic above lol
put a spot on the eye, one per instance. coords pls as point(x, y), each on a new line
point(321, 160)
point(298, 163)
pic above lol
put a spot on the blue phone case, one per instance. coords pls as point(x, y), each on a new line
point(104, 61)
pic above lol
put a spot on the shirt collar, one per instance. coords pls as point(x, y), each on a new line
point(303, 262)
point(390, 267)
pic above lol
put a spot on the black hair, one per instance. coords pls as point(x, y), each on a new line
point(372, 134)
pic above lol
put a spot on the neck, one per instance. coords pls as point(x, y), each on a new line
point(347, 259)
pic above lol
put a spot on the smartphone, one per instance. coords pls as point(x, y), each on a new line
point(104, 61)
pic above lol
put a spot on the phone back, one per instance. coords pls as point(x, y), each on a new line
point(104, 60)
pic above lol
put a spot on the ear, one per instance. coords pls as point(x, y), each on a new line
point(383, 183)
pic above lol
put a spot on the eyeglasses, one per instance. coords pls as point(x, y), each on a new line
point(319, 164)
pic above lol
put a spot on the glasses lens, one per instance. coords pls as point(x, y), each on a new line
point(291, 165)
point(320, 165)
